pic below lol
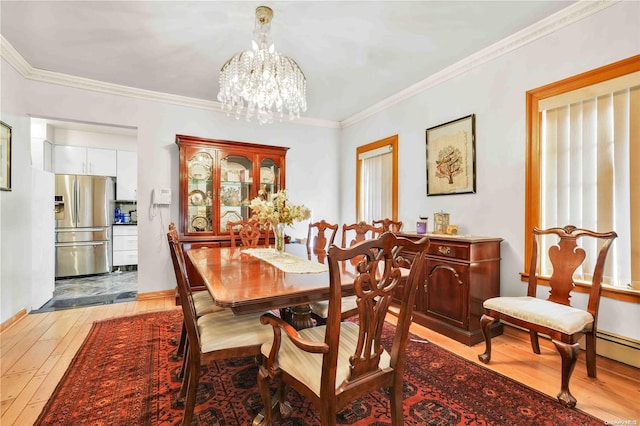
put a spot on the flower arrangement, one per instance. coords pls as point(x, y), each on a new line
point(275, 208)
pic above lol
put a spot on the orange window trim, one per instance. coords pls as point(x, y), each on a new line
point(393, 141)
point(532, 169)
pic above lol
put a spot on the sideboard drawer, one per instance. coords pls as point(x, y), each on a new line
point(448, 249)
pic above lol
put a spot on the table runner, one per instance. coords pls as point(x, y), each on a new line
point(287, 262)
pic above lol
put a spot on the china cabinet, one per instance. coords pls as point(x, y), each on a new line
point(218, 179)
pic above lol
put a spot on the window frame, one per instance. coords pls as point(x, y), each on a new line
point(533, 160)
point(393, 141)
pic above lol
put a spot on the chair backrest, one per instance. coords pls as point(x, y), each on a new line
point(249, 231)
point(566, 256)
point(184, 288)
point(388, 224)
point(317, 241)
point(377, 274)
point(358, 232)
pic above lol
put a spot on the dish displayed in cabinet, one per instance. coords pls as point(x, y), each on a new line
point(235, 172)
point(200, 223)
point(199, 170)
point(197, 198)
point(267, 175)
point(230, 196)
point(229, 216)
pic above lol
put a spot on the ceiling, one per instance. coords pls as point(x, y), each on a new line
point(353, 53)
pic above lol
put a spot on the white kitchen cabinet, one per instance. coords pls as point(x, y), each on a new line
point(81, 160)
point(127, 175)
point(125, 245)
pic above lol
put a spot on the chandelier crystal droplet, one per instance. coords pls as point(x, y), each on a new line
point(261, 79)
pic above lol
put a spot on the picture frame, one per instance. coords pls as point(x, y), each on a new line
point(5, 157)
point(451, 157)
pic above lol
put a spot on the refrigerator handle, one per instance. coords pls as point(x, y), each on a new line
point(76, 191)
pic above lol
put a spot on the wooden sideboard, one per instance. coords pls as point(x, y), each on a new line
point(461, 272)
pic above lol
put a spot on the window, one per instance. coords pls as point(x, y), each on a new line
point(583, 151)
point(377, 180)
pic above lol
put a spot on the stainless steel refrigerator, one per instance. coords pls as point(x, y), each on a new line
point(84, 211)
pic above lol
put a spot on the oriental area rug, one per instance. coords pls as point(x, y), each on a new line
point(125, 374)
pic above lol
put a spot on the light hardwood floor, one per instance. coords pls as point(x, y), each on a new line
point(36, 351)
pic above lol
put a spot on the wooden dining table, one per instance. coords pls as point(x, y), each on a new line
point(247, 284)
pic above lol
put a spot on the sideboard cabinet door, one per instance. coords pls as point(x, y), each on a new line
point(447, 287)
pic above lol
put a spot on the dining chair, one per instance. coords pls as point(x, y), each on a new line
point(360, 232)
point(249, 231)
point(554, 316)
point(213, 336)
point(317, 241)
point(341, 361)
point(202, 301)
point(388, 224)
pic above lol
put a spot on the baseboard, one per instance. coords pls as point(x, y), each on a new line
point(619, 348)
point(156, 295)
point(14, 319)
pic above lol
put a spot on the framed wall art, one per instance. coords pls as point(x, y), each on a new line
point(451, 157)
point(5, 157)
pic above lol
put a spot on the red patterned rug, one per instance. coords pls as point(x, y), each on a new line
point(125, 374)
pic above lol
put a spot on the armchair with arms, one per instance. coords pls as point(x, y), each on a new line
point(344, 360)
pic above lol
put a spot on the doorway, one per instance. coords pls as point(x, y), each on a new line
point(111, 145)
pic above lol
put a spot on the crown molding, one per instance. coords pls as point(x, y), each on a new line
point(15, 59)
point(563, 18)
point(558, 20)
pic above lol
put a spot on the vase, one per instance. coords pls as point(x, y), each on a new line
point(278, 230)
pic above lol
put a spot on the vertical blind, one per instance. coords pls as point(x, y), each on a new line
point(590, 153)
point(376, 180)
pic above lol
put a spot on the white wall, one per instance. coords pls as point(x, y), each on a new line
point(495, 92)
point(15, 205)
point(311, 178)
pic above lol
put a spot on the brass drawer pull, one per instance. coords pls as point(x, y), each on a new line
point(444, 250)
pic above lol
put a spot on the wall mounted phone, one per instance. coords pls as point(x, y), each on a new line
point(161, 196)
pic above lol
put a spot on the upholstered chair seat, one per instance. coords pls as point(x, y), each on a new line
point(204, 304)
point(307, 367)
point(563, 318)
point(224, 330)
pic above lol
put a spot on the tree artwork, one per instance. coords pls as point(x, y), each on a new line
point(449, 163)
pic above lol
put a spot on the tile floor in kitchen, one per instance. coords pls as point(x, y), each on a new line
point(116, 287)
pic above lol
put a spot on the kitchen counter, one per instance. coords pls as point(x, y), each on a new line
point(125, 224)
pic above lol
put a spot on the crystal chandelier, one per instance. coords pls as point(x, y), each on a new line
point(262, 78)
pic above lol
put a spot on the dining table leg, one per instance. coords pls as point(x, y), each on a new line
point(300, 316)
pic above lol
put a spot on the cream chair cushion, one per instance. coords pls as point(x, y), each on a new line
point(224, 329)
point(203, 303)
point(322, 308)
point(555, 316)
point(307, 367)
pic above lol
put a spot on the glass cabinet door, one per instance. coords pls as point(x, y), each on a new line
point(236, 189)
point(270, 181)
point(200, 190)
